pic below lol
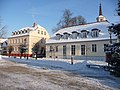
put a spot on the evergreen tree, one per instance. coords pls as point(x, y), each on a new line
point(118, 10)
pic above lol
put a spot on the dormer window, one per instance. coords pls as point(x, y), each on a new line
point(19, 32)
point(95, 32)
point(84, 33)
point(13, 33)
point(66, 35)
point(75, 34)
point(16, 33)
point(58, 36)
point(25, 31)
point(22, 31)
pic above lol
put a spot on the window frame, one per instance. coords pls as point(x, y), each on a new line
point(38, 31)
point(64, 50)
point(73, 49)
point(94, 48)
point(83, 49)
point(42, 32)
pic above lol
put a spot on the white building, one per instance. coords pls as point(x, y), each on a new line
point(3, 46)
point(81, 42)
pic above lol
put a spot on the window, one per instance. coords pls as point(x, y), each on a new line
point(44, 33)
point(82, 49)
point(22, 40)
point(16, 40)
point(94, 48)
point(19, 32)
point(22, 31)
point(95, 32)
point(72, 49)
point(58, 36)
point(38, 31)
point(56, 48)
point(66, 35)
point(84, 34)
point(74, 35)
point(64, 50)
point(41, 32)
point(13, 33)
point(19, 40)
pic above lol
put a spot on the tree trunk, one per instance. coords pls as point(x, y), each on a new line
point(21, 56)
point(9, 55)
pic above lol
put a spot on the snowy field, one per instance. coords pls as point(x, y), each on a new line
point(49, 74)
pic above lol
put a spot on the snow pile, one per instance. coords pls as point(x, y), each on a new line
point(78, 68)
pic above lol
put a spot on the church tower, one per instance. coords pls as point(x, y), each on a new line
point(100, 18)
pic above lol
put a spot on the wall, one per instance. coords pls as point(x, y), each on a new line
point(100, 54)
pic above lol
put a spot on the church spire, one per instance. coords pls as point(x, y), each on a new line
point(100, 18)
point(100, 10)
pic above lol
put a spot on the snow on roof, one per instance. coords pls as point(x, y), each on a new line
point(19, 35)
point(4, 44)
point(26, 28)
point(102, 26)
point(2, 40)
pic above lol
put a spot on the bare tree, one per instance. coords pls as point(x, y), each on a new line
point(78, 20)
point(10, 49)
point(67, 16)
point(67, 20)
point(3, 31)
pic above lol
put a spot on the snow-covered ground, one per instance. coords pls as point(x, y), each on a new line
point(94, 75)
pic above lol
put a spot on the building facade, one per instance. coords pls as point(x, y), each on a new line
point(28, 36)
point(80, 42)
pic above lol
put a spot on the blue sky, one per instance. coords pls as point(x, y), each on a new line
point(17, 14)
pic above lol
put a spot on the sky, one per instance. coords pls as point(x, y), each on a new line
point(17, 14)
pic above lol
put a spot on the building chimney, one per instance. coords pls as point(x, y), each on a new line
point(34, 24)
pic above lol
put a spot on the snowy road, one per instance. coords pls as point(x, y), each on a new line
point(77, 70)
